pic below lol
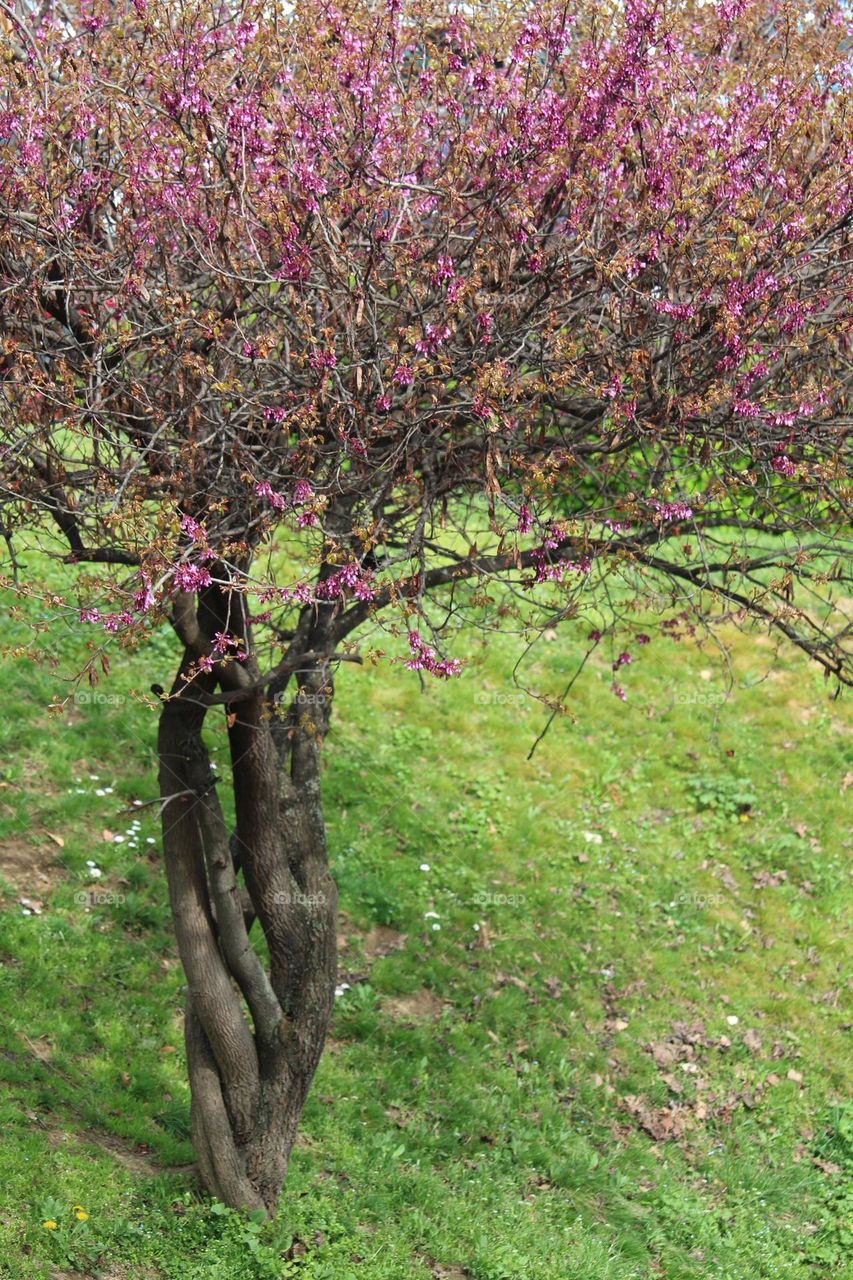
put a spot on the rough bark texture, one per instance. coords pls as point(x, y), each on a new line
point(249, 1079)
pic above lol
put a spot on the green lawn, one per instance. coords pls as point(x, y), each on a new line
point(597, 1015)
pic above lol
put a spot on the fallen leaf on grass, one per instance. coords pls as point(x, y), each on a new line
point(726, 878)
point(663, 1125)
point(663, 1053)
point(769, 879)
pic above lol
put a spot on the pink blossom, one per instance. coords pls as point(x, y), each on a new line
point(669, 511)
point(350, 578)
point(434, 336)
point(115, 621)
point(323, 360)
point(443, 269)
point(144, 597)
point(486, 325)
point(192, 529)
point(424, 658)
point(189, 577)
point(265, 490)
point(783, 466)
point(222, 642)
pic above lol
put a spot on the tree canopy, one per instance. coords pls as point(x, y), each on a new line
point(444, 291)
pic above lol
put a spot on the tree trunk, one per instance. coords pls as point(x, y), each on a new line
point(249, 1076)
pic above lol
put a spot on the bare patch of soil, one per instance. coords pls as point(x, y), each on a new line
point(381, 941)
point(31, 869)
point(419, 1005)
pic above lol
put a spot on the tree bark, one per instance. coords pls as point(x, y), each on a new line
point(249, 1075)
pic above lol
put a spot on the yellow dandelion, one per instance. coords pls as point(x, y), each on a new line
point(80, 1213)
point(49, 1224)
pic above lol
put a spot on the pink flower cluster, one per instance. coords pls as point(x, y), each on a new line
point(191, 577)
point(424, 658)
point(525, 519)
point(349, 579)
point(669, 511)
point(783, 466)
point(265, 490)
point(434, 336)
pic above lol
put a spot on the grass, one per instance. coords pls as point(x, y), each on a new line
point(596, 1021)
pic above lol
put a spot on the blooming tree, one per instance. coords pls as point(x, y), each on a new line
point(321, 319)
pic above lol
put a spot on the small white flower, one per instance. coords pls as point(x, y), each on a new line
point(118, 839)
point(431, 915)
point(93, 777)
point(424, 866)
point(592, 837)
point(150, 840)
point(108, 791)
point(436, 927)
point(476, 928)
point(732, 1019)
point(95, 873)
point(25, 911)
point(339, 991)
point(100, 792)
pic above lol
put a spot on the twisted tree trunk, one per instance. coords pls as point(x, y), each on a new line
point(249, 1077)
